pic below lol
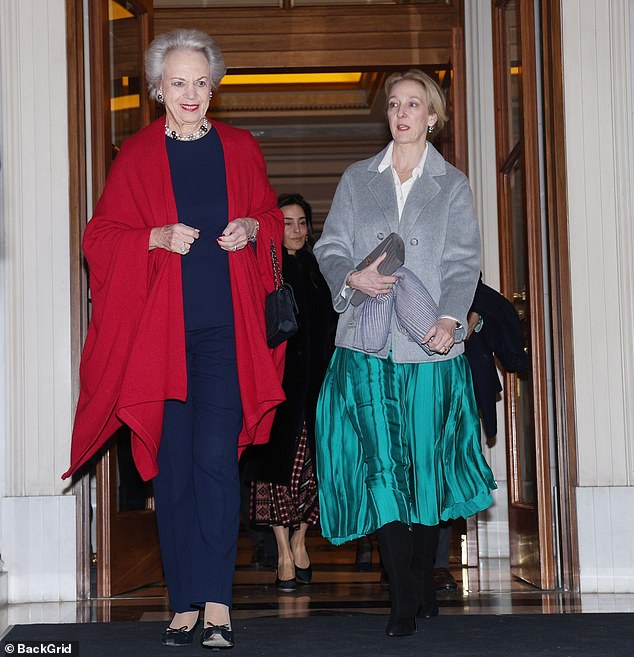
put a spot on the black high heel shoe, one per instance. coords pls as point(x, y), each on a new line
point(178, 636)
point(303, 575)
point(286, 585)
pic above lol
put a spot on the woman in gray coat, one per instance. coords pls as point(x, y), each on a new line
point(398, 438)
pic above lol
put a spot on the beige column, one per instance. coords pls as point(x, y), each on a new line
point(37, 521)
point(597, 42)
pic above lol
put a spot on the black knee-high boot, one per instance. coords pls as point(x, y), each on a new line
point(396, 546)
point(424, 555)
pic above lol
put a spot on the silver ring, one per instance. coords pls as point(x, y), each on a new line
point(235, 248)
point(183, 248)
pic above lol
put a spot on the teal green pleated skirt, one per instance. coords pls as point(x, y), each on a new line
point(397, 441)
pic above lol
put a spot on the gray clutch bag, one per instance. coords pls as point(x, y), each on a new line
point(395, 249)
point(416, 310)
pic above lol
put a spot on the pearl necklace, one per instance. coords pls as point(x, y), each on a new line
point(201, 132)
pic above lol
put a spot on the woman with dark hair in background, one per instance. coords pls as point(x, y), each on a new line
point(284, 493)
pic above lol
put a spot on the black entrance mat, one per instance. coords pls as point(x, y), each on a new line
point(360, 635)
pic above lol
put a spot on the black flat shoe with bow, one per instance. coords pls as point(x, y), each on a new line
point(217, 636)
point(176, 637)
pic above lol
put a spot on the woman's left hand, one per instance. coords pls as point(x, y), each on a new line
point(236, 235)
point(440, 337)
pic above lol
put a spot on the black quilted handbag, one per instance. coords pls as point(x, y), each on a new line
point(281, 309)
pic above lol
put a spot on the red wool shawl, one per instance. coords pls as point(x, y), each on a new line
point(134, 355)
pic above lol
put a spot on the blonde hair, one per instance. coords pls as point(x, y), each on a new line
point(435, 97)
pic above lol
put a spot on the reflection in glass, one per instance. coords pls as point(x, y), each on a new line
point(513, 67)
point(524, 451)
point(126, 66)
point(517, 227)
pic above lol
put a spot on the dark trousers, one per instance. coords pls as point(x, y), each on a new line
point(197, 490)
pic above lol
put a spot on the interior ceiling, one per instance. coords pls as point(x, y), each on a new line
point(325, 102)
point(354, 94)
point(317, 95)
point(286, 4)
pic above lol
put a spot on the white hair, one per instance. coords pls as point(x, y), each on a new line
point(181, 39)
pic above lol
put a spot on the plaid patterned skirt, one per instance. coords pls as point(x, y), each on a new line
point(289, 505)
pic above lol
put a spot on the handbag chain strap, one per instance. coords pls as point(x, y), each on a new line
point(277, 270)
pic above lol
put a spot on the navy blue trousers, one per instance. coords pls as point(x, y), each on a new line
point(197, 490)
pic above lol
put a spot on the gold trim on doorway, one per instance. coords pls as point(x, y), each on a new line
point(291, 78)
point(125, 102)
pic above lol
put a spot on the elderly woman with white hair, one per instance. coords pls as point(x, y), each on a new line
point(176, 349)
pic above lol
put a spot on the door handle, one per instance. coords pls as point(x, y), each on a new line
point(519, 301)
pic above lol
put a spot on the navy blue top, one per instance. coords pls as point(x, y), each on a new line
point(200, 188)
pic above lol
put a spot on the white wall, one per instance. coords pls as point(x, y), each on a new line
point(3, 575)
point(597, 39)
point(37, 522)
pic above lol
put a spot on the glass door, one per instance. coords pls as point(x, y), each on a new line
point(127, 553)
point(517, 145)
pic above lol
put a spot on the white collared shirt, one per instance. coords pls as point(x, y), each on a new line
point(402, 189)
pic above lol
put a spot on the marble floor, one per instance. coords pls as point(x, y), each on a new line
point(336, 586)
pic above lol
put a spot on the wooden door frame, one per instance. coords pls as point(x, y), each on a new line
point(98, 20)
point(419, 44)
point(560, 291)
point(78, 215)
point(100, 92)
point(534, 238)
point(79, 178)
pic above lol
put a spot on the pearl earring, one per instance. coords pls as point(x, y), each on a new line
point(159, 97)
point(430, 129)
point(211, 94)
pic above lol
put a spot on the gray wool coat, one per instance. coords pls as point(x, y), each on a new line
point(441, 236)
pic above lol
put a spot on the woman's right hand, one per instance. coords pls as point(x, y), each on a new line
point(176, 238)
point(369, 281)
